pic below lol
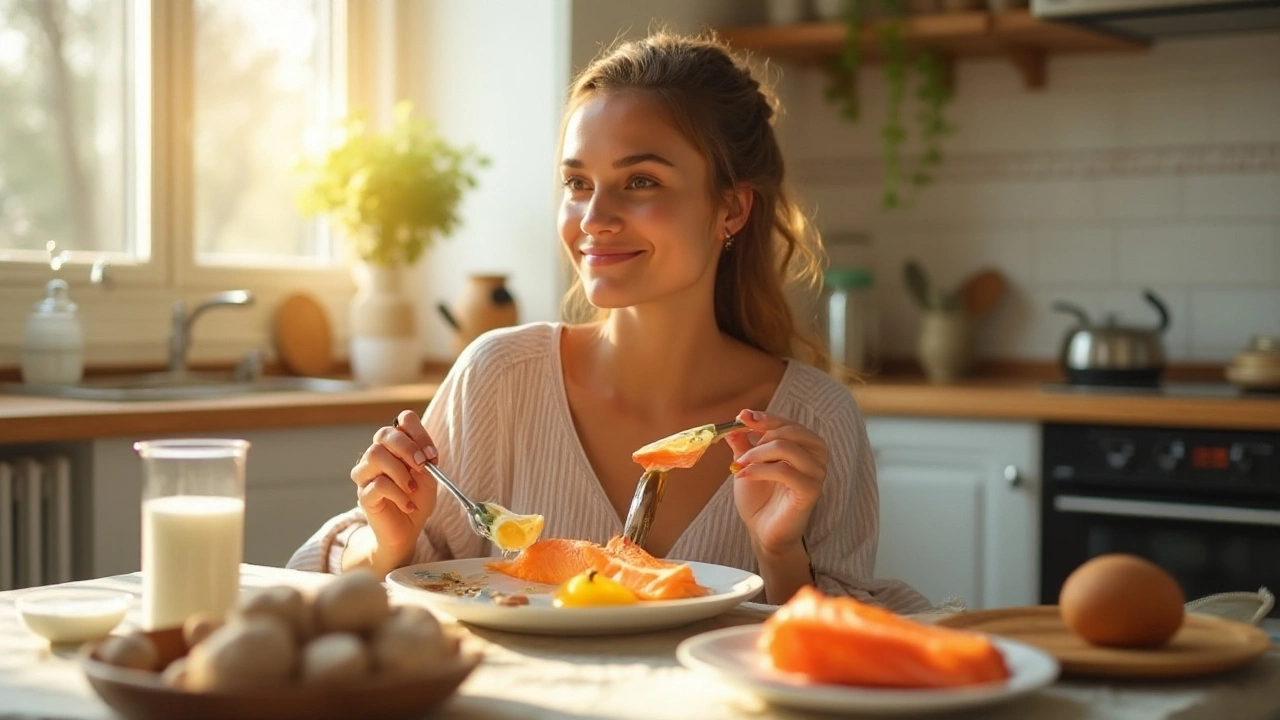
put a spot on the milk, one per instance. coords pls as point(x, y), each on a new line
point(192, 546)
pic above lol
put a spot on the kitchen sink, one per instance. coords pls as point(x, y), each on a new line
point(179, 386)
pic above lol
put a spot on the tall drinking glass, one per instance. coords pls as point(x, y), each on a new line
point(192, 527)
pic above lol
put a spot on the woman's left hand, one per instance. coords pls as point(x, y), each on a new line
point(782, 468)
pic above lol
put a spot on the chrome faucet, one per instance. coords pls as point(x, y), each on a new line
point(180, 333)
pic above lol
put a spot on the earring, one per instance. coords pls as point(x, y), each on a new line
point(728, 240)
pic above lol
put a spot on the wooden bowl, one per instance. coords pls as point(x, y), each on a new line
point(141, 695)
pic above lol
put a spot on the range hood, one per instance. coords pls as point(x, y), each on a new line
point(1152, 19)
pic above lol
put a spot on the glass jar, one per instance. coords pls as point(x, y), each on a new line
point(192, 528)
point(850, 322)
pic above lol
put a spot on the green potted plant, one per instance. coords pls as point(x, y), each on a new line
point(392, 193)
point(933, 93)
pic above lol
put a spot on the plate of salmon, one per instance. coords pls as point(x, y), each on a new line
point(836, 654)
point(576, 587)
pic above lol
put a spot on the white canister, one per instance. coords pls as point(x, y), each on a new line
point(53, 342)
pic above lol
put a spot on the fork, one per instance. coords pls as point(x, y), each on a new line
point(644, 504)
point(478, 514)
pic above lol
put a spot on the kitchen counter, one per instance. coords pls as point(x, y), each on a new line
point(30, 419)
point(1190, 405)
point(36, 419)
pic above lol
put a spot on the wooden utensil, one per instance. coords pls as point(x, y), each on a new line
point(303, 336)
point(1202, 646)
point(981, 292)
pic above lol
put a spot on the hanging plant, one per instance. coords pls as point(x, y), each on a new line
point(933, 93)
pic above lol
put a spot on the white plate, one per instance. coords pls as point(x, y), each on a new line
point(731, 655)
point(729, 586)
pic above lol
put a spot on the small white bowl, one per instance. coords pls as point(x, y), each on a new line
point(73, 614)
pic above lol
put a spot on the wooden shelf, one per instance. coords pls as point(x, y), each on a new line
point(1024, 40)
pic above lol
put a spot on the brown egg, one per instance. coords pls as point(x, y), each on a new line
point(1122, 601)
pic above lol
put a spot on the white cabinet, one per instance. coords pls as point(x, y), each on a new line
point(294, 481)
point(959, 508)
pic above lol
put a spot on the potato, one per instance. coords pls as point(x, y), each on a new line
point(198, 626)
point(134, 650)
point(175, 676)
point(353, 602)
point(248, 652)
point(336, 659)
point(411, 643)
point(283, 602)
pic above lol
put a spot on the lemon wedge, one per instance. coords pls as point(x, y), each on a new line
point(512, 532)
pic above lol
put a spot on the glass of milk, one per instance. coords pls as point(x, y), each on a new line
point(192, 527)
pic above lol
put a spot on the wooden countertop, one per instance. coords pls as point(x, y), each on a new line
point(1030, 400)
point(36, 419)
point(30, 419)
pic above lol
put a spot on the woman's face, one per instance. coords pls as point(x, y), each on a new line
point(636, 215)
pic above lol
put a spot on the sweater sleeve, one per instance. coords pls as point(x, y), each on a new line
point(844, 529)
point(466, 421)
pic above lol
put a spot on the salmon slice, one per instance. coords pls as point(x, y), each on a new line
point(840, 640)
point(557, 560)
point(648, 582)
point(551, 561)
point(681, 450)
point(621, 547)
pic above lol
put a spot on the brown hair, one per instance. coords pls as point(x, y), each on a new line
point(728, 115)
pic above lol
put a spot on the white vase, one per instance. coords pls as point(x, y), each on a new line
point(384, 329)
point(943, 346)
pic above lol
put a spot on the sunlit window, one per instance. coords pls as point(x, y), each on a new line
point(90, 145)
point(69, 128)
point(265, 79)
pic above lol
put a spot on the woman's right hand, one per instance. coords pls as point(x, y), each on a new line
point(397, 495)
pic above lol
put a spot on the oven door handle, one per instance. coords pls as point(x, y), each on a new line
point(1165, 511)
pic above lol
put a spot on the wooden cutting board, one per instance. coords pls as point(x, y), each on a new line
point(1202, 646)
point(304, 339)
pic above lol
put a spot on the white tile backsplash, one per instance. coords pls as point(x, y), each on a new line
point(1165, 117)
point(1223, 321)
point(1159, 170)
point(1074, 256)
point(1233, 196)
point(1196, 254)
point(1248, 111)
point(1138, 198)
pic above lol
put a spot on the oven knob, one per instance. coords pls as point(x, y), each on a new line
point(1242, 460)
point(1118, 453)
point(1169, 454)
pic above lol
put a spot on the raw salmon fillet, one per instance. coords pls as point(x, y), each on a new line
point(556, 560)
point(624, 549)
point(649, 581)
point(551, 561)
point(840, 640)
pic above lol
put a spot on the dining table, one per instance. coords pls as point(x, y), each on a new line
point(623, 676)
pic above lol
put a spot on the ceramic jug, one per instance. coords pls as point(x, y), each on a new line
point(485, 304)
point(944, 345)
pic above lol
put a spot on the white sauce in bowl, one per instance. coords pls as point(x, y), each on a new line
point(73, 615)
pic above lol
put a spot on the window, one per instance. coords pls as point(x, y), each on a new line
point(265, 74)
point(66, 171)
point(163, 134)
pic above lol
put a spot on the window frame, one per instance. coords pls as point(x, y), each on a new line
point(168, 222)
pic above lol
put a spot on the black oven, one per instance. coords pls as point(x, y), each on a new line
point(1202, 504)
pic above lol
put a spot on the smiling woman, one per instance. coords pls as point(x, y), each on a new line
point(682, 235)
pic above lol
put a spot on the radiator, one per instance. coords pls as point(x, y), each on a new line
point(35, 521)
